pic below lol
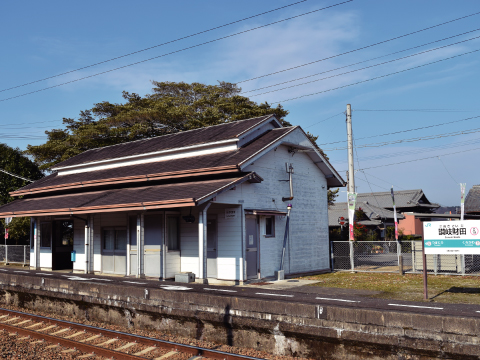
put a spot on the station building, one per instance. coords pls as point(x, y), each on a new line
point(211, 201)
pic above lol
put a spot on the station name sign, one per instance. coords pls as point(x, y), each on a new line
point(452, 237)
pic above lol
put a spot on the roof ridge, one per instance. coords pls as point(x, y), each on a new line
point(177, 133)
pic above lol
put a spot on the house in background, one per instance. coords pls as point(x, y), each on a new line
point(472, 201)
point(211, 201)
point(378, 208)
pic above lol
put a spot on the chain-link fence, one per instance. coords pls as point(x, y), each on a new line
point(15, 254)
point(385, 256)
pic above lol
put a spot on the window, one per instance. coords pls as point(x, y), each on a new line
point(45, 234)
point(173, 238)
point(114, 240)
point(270, 226)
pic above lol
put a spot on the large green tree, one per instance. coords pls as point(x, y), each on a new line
point(14, 162)
point(172, 107)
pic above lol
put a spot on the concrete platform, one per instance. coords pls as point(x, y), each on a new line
point(286, 317)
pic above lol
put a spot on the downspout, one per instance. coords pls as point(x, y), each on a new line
point(204, 260)
point(289, 208)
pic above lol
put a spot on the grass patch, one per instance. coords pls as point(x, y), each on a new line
point(441, 288)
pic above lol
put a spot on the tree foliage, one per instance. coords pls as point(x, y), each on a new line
point(13, 161)
point(172, 107)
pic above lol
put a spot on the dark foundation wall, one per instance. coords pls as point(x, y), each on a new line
point(282, 328)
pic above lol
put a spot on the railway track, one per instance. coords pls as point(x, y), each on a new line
point(85, 341)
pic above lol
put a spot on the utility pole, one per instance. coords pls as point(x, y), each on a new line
point(352, 197)
point(351, 181)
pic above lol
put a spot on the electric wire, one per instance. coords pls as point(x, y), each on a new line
point(155, 46)
point(17, 176)
point(420, 159)
point(455, 181)
point(175, 52)
point(414, 152)
point(364, 61)
point(360, 69)
point(321, 121)
point(407, 130)
point(377, 77)
point(388, 182)
point(409, 140)
point(416, 110)
point(361, 48)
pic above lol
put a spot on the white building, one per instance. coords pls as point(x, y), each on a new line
point(211, 201)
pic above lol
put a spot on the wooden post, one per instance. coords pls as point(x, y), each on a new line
point(400, 265)
point(424, 259)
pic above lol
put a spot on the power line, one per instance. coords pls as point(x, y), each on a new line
point(155, 46)
point(418, 110)
point(455, 181)
point(377, 77)
point(413, 152)
point(364, 61)
point(428, 137)
point(176, 51)
point(425, 158)
point(408, 130)
point(17, 176)
point(388, 182)
point(358, 49)
point(321, 121)
point(363, 68)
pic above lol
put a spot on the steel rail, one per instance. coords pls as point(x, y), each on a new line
point(142, 340)
point(99, 351)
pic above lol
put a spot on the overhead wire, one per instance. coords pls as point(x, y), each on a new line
point(14, 175)
point(455, 181)
point(176, 51)
point(420, 159)
point(407, 130)
point(409, 140)
point(358, 49)
point(155, 46)
point(377, 77)
point(364, 61)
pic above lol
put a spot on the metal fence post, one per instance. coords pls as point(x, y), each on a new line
point(413, 251)
point(435, 264)
point(352, 263)
point(25, 256)
point(6, 255)
point(462, 263)
point(332, 257)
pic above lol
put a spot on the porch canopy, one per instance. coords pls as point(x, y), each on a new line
point(125, 199)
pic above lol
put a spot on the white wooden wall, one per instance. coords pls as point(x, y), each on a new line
point(308, 246)
point(189, 243)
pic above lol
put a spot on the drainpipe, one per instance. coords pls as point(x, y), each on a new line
point(290, 172)
point(202, 242)
point(289, 208)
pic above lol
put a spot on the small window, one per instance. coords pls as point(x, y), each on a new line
point(45, 235)
point(114, 240)
point(173, 238)
point(270, 226)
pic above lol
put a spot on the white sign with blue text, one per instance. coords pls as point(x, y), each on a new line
point(452, 237)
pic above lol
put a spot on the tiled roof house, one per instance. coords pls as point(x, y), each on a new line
point(211, 201)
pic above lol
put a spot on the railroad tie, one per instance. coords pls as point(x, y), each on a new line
point(85, 356)
point(12, 319)
point(68, 351)
point(47, 328)
point(90, 338)
point(196, 357)
point(12, 334)
point(22, 322)
point(144, 351)
point(74, 335)
point(24, 338)
point(107, 342)
point(126, 346)
point(3, 316)
point(37, 342)
point(32, 326)
point(60, 331)
point(52, 346)
point(167, 355)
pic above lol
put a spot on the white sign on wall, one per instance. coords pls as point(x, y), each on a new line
point(231, 213)
point(452, 237)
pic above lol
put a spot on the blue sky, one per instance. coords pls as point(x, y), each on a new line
point(43, 39)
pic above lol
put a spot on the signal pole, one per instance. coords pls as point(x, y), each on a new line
point(351, 180)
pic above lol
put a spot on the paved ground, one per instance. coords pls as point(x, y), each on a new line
point(285, 290)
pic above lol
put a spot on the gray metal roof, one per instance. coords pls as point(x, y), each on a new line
point(403, 199)
point(375, 214)
point(472, 201)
